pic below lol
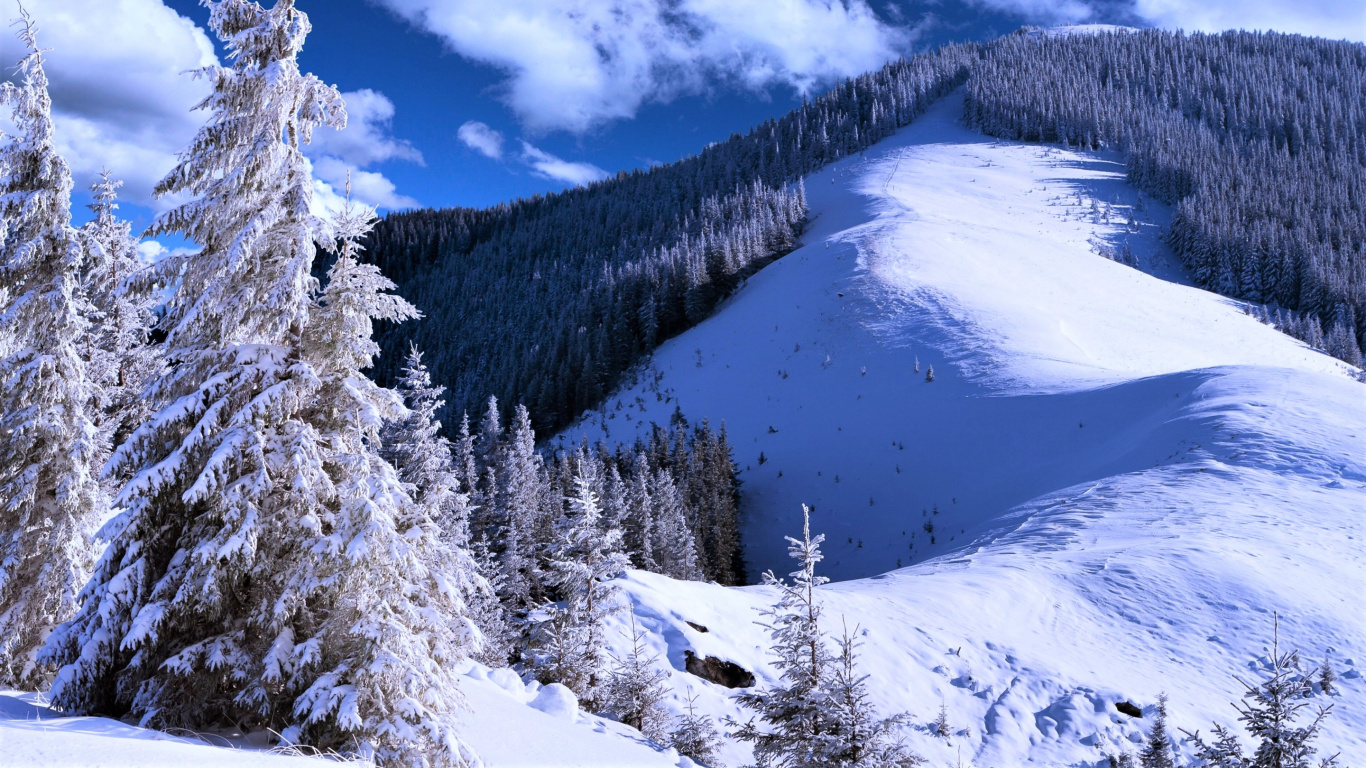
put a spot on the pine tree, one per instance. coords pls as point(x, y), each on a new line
point(422, 456)
point(122, 360)
point(674, 548)
point(1269, 713)
point(50, 499)
point(795, 713)
point(635, 688)
point(585, 560)
point(695, 736)
point(857, 737)
point(380, 667)
point(1157, 751)
point(269, 566)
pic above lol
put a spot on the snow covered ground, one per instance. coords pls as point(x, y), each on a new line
point(1112, 482)
point(1125, 476)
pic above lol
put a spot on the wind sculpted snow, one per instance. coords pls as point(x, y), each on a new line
point(1111, 483)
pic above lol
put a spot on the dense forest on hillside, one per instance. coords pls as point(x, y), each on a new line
point(1258, 139)
point(548, 301)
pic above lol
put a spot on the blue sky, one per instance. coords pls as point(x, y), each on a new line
point(554, 91)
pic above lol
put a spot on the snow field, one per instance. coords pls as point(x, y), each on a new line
point(1130, 474)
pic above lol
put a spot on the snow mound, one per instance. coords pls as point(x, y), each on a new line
point(1112, 482)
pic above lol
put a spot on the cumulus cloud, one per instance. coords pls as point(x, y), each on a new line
point(123, 97)
point(548, 166)
point(575, 64)
point(365, 141)
point(482, 139)
point(120, 98)
point(1334, 19)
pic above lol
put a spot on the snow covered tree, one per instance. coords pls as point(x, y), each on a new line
point(519, 475)
point(585, 560)
point(695, 736)
point(122, 360)
point(50, 498)
point(1269, 713)
point(635, 688)
point(269, 568)
point(1157, 751)
point(857, 737)
point(795, 713)
point(639, 523)
point(376, 672)
point(422, 456)
point(674, 549)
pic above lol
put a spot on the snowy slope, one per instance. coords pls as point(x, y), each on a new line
point(1130, 474)
point(509, 724)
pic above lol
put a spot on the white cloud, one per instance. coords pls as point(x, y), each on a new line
point(1333, 19)
point(551, 167)
point(123, 97)
point(575, 64)
point(367, 187)
point(481, 138)
point(365, 141)
point(120, 98)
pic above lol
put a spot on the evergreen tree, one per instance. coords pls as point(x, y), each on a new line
point(695, 736)
point(50, 499)
point(795, 713)
point(122, 360)
point(269, 567)
point(1269, 713)
point(422, 456)
point(858, 738)
point(673, 547)
point(377, 672)
point(1157, 751)
point(586, 559)
point(635, 689)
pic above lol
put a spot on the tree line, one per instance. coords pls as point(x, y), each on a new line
point(1258, 139)
point(548, 301)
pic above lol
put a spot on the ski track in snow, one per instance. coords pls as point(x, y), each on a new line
point(1129, 474)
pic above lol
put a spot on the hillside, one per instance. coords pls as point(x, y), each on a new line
point(1130, 474)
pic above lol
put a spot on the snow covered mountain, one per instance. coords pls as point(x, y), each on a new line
point(1110, 485)
point(1112, 482)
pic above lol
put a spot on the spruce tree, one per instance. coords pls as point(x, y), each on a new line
point(50, 498)
point(695, 736)
point(1157, 751)
point(857, 737)
point(585, 560)
point(1269, 713)
point(673, 547)
point(387, 625)
point(793, 717)
point(122, 360)
point(422, 456)
point(269, 568)
point(635, 688)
